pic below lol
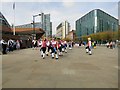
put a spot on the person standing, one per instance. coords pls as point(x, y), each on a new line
point(4, 46)
point(94, 44)
point(17, 44)
point(111, 45)
point(107, 44)
point(34, 44)
point(1, 47)
point(10, 44)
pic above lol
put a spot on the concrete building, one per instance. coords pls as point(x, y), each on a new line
point(62, 30)
point(95, 21)
point(71, 35)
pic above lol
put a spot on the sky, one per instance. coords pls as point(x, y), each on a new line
point(59, 11)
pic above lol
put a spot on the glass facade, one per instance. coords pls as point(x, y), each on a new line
point(95, 21)
point(106, 22)
point(50, 29)
point(45, 20)
point(47, 24)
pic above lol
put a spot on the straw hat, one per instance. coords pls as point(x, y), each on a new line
point(89, 39)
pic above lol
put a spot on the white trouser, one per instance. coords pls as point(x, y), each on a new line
point(65, 50)
point(56, 56)
point(90, 52)
point(87, 50)
point(46, 52)
point(53, 55)
point(41, 52)
point(43, 55)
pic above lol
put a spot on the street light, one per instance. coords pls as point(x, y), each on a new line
point(34, 34)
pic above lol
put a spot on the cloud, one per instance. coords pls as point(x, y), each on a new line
point(60, 11)
point(69, 4)
point(115, 10)
point(59, 16)
point(60, 1)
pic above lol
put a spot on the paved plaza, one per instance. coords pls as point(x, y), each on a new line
point(26, 69)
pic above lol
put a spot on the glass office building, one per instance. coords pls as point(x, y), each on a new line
point(95, 21)
point(47, 24)
point(45, 20)
point(50, 29)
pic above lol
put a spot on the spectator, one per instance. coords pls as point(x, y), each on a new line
point(17, 44)
point(4, 46)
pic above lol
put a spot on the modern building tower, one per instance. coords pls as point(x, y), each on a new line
point(95, 21)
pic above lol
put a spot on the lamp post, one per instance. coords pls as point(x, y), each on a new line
point(34, 34)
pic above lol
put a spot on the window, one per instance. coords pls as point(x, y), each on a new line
point(87, 32)
point(108, 25)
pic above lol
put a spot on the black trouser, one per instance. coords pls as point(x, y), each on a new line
point(88, 48)
point(70, 46)
point(43, 49)
point(65, 46)
point(10, 48)
point(60, 49)
point(4, 48)
point(111, 46)
point(53, 50)
point(49, 47)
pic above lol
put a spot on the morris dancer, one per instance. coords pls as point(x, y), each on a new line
point(43, 48)
point(62, 45)
point(54, 49)
point(49, 47)
point(65, 46)
point(88, 48)
point(40, 45)
point(59, 48)
point(70, 45)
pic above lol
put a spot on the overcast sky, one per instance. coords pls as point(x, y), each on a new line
point(59, 11)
